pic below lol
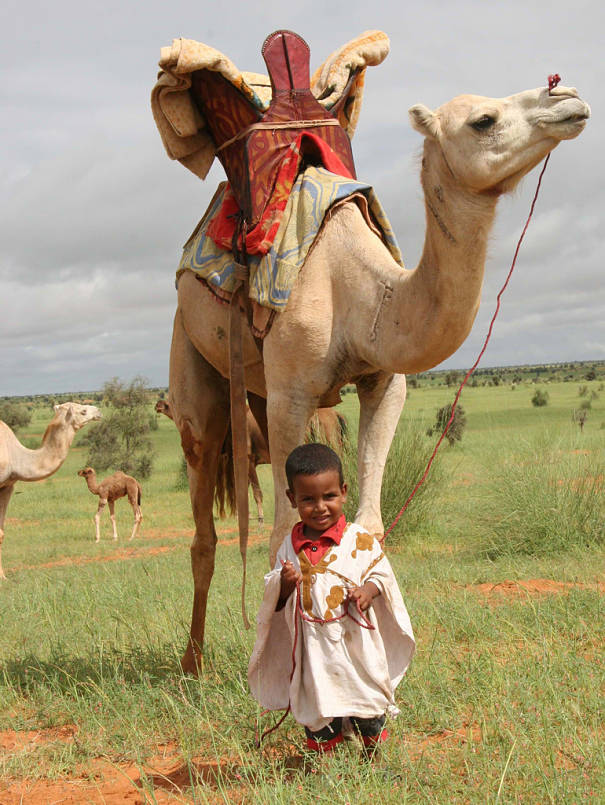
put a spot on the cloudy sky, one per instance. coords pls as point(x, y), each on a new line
point(94, 213)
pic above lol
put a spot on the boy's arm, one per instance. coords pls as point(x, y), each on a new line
point(365, 594)
point(289, 579)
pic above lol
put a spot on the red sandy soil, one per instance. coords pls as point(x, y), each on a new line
point(521, 589)
point(137, 553)
point(165, 774)
point(106, 783)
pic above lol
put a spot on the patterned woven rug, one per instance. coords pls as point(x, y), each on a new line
point(273, 275)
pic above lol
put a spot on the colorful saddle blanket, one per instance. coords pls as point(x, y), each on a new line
point(272, 275)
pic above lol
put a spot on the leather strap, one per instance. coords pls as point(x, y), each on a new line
point(238, 429)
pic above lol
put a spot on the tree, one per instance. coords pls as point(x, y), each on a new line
point(451, 378)
point(455, 430)
point(15, 416)
point(120, 441)
point(540, 398)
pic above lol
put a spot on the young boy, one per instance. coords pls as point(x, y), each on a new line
point(331, 581)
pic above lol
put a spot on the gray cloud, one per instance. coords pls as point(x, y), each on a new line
point(94, 214)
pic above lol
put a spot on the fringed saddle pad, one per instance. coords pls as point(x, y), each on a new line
point(272, 275)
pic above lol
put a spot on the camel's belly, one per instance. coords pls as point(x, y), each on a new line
point(206, 322)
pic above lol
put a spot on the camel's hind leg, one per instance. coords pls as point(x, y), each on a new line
point(134, 498)
point(199, 400)
point(256, 491)
point(5, 494)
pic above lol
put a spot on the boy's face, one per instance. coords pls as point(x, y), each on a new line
point(319, 499)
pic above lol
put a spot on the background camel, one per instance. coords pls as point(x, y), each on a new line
point(110, 489)
point(355, 316)
point(18, 463)
point(325, 424)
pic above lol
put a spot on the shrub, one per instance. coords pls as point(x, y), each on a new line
point(15, 416)
point(406, 463)
point(540, 398)
point(120, 441)
point(546, 498)
point(455, 430)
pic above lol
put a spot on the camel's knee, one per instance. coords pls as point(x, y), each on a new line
point(138, 516)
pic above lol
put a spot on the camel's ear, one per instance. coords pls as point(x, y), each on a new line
point(424, 121)
point(56, 406)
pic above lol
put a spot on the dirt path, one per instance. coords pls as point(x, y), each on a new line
point(507, 589)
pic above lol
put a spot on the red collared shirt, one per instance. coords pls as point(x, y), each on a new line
point(316, 548)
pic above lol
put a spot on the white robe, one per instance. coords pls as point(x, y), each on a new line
point(341, 669)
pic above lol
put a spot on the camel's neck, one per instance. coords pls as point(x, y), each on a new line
point(91, 481)
point(436, 303)
point(35, 465)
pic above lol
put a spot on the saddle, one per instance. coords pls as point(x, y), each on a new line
point(252, 145)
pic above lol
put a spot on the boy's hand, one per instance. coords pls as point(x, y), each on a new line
point(289, 579)
point(364, 595)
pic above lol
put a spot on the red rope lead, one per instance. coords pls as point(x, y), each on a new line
point(556, 80)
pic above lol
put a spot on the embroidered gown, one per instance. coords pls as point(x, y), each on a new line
point(340, 668)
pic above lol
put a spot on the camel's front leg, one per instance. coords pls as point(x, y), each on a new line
point(112, 515)
point(199, 399)
point(5, 494)
point(100, 508)
point(288, 416)
point(381, 399)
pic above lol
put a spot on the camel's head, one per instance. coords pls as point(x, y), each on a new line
point(489, 144)
point(77, 415)
point(86, 472)
point(163, 407)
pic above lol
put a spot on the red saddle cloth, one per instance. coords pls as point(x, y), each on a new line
point(262, 152)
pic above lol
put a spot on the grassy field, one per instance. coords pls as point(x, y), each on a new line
point(503, 579)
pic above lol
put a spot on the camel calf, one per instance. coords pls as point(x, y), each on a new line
point(111, 489)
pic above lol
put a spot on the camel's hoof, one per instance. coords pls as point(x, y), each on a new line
point(191, 663)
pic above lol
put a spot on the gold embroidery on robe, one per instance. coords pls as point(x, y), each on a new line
point(363, 542)
point(333, 600)
point(309, 572)
point(372, 565)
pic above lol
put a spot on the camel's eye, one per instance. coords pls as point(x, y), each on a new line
point(483, 123)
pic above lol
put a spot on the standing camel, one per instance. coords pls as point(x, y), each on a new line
point(110, 489)
point(355, 316)
point(18, 463)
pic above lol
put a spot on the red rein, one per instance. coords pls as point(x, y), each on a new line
point(553, 80)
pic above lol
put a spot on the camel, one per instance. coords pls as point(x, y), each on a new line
point(355, 316)
point(110, 489)
point(324, 424)
point(18, 463)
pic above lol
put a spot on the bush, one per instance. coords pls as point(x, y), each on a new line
point(540, 398)
point(120, 441)
point(406, 463)
point(15, 416)
point(455, 430)
point(547, 498)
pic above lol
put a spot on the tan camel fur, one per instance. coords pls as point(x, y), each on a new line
point(18, 463)
point(324, 424)
point(110, 489)
point(355, 316)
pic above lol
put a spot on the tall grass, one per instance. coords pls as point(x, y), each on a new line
point(406, 463)
point(547, 496)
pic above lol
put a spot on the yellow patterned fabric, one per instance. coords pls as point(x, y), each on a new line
point(273, 275)
point(182, 127)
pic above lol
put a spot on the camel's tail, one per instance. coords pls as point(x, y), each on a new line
point(224, 493)
point(139, 496)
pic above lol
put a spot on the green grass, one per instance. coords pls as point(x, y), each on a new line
point(502, 702)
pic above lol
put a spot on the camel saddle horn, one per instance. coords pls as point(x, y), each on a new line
point(250, 144)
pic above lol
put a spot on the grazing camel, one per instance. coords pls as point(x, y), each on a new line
point(356, 316)
point(325, 424)
point(18, 463)
point(110, 489)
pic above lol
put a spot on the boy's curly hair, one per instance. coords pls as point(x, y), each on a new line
point(311, 459)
